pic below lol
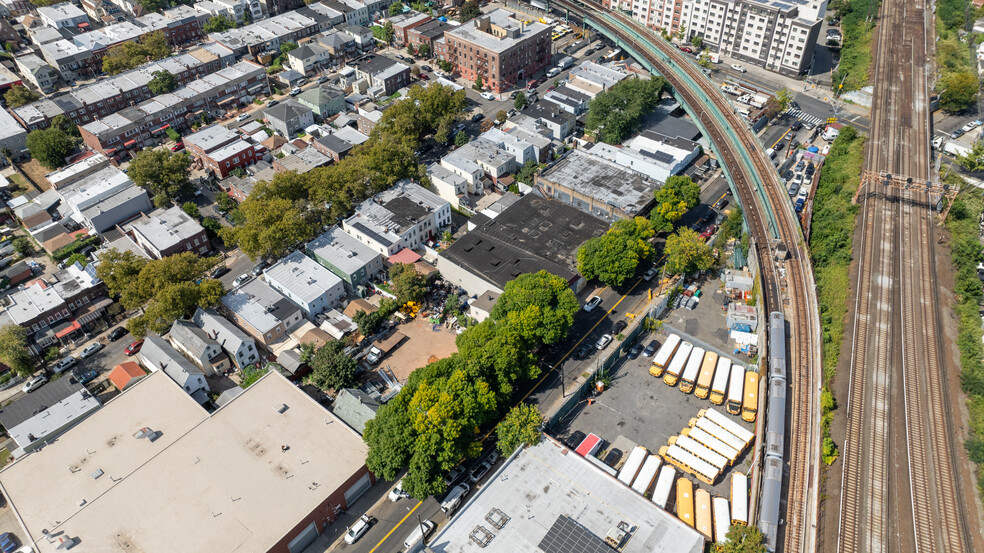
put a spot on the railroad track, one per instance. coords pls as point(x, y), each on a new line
point(887, 505)
point(796, 285)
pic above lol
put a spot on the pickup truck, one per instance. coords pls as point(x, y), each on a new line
point(380, 349)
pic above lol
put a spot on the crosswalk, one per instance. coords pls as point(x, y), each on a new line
point(803, 116)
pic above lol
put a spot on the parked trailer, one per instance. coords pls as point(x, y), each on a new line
point(720, 385)
point(702, 513)
point(722, 519)
point(692, 370)
point(715, 444)
point(664, 485)
point(739, 499)
point(689, 463)
point(735, 389)
point(632, 465)
point(700, 450)
point(724, 422)
point(706, 375)
point(672, 375)
point(664, 354)
point(647, 474)
point(589, 445)
point(749, 406)
point(706, 425)
point(685, 501)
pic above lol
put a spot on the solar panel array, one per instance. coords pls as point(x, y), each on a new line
point(567, 536)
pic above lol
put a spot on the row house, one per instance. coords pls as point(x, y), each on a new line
point(221, 150)
point(404, 22)
point(165, 232)
point(105, 97)
point(262, 312)
point(405, 216)
point(143, 125)
point(269, 34)
point(429, 33)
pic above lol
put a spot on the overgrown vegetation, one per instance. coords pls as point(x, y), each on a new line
point(614, 256)
point(955, 58)
point(614, 114)
point(131, 54)
point(965, 251)
point(857, 23)
point(830, 247)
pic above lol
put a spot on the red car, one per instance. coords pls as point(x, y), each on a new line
point(708, 232)
point(686, 49)
point(177, 147)
point(134, 347)
point(424, 77)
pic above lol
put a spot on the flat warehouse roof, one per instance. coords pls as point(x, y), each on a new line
point(545, 492)
point(221, 483)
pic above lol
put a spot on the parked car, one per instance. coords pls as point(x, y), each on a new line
point(779, 146)
point(687, 49)
point(969, 126)
point(358, 529)
point(134, 347)
point(64, 364)
point(613, 456)
point(426, 68)
point(583, 351)
point(737, 68)
point(85, 377)
point(651, 348)
point(957, 133)
point(488, 96)
point(219, 271)
point(241, 279)
point(455, 473)
point(708, 232)
point(454, 498)
point(793, 189)
point(7, 543)
point(258, 269)
point(800, 202)
point(295, 91)
point(323, 79)
point(479, 471)
point(603, 342)
point(34, 384)
point(477, 117)
point(177, 147)
point(619, 327)
point(397, 492)
point(721, 204)
point(117, 333)
point(797, 125)
point(575, 439)
point(91, 350)
point(650, 274)
point(424, 77)
point(635, 351)
point(592, 303)
point(826, 150)
point(243, 116)
point(272, 103)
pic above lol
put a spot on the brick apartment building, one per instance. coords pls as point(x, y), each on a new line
point(499, 48)
point(144, 125)
point(165, 232)
point(221, 150)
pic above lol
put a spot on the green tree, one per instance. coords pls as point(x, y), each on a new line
point(287, 47)
point(13, 349)
point(388, 32)
point(974, 160)
point(527, 175)
point(550, 295)
point(615, 114)
point(77, 257)
point(742, 539)
point(613, 257)
point(17, 96)
point(396, 8)
point(162, 82)
point(958, 91)
point(697, 41)
point(50, 147)
point(469, 10)
point(162, 172)
point(65, 125)
point(443, 133)
point(411, 50)
point(520, 101)
point(424, 49)
point(408, 284)
point(445, 66)
point(460, 139)
point(479, 85)
point(191, 209)
point(677, 196)
point(501, 116)
point(784, 98)
point(272, 227)
point(687, 252)
point(21, 245)
point(128, 55)
point(681, 32)
point(217, 24)
point(521, 426)
point(331, 368)
point(704, 59)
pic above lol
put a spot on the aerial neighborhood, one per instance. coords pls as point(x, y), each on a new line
point(301, 276)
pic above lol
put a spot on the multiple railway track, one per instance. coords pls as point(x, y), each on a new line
point(887, 503)
point(786, 285)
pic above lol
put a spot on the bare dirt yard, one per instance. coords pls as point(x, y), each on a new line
point(423, 345)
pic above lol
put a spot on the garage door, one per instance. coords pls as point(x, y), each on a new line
point(357, 489)
point(304, 539)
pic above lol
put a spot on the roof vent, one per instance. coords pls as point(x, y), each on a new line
point(96, 474)
point(282, 408)
point(146, 432)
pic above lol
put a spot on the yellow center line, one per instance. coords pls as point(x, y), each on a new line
point(780, 139)
point(388, 534)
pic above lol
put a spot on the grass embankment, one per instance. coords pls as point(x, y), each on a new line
point(965, 251)
point(857, 25)
point(830, 249)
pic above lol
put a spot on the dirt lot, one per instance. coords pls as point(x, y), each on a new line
point(37, 173)
point(422, 345)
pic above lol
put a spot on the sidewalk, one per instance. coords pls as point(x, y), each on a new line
point(371, 502)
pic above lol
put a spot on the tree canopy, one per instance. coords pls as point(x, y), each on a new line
point(164, 173)
point(408, 284)
point(217, 24)
point(958, 91)
point(742, 539)
point(167, 289)
point(65, 125)
point(521, 426)
point(50, 147)
point(396, 8)
point(331, 368)
point(17, 96)
point(162, 82)
point(435, 420)
point(13, 349)
point(613, 257)
point(686, 252)
point(614, 114)
point(673, 199)
point(131, 54)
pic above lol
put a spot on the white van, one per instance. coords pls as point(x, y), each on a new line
point(830, 133)
point(454, 498)
point(416, 538)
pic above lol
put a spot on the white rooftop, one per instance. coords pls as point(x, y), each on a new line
point(342, 250)
point(165, 228)
point(54, 418)
point(538, 486)
point(302, 277)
